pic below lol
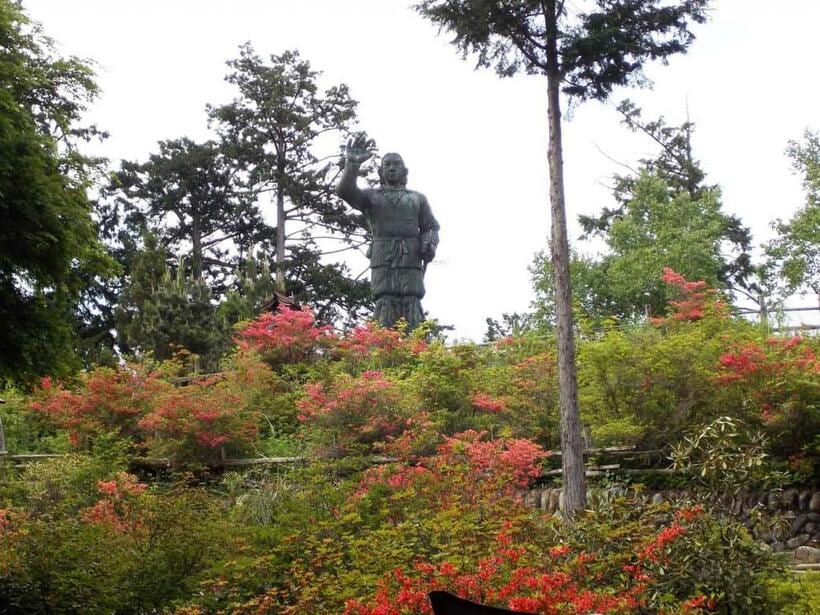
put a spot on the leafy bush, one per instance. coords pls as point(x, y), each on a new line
point(76, 537)
point(464, 429)
point(456, 520)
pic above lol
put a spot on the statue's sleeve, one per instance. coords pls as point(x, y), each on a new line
point(427, 222)
point(350, 192)
point(428, 227)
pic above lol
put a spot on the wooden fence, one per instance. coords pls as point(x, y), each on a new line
point(20, 461)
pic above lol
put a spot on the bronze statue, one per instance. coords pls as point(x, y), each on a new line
point(405, 234)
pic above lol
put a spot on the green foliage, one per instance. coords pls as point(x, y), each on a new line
point(795, 595)
point(271, 133)
point(652, 384)
point(445, 506)
point(599, 46)
point(178, 315)
point(658, 227)
point(724, 457)
point(48, 244)
point(60, 487)
point(26, 432)
point(186, 194)
point(448, 522)
point(666, 217)
point(794, 256)
point(251, 292)
point(75, 541)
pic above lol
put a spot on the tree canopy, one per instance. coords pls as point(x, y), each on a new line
point(275, 131)
point(207, 205)
point(666, 215)
point(794, 256)
point(48, 241)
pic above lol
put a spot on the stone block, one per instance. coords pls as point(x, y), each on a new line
point(814, 503)
point(773, 500)
point(554, 501)
point(657, 498)
point(798, 523)
point(807, 555)
point(530, 498)
point(797, 541)
point(803, 499)
point(788, 499)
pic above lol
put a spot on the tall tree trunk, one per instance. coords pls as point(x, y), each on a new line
point(572, 452)
point(196, 247)
point(280, 239)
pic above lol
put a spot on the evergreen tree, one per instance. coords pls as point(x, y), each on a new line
point(657, 227)
point(586, 49)
point(188, 196)
point(164, 310)
point(253, 289)
point(272, 130)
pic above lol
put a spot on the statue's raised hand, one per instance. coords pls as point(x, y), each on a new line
point(359, 149)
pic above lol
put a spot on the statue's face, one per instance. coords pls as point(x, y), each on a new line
point(393, 169)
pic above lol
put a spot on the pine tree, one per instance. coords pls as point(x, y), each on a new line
point(272, 130)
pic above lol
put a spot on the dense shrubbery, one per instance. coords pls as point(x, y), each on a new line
point(463, 429)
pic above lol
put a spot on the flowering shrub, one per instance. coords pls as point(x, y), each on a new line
point(106, 400)
point(81, 539)
point(464, 428)
point(695, 300)
point(620, 562)
point(192, 423)
point(115, 509)
point(270, 393)
point(12, 523)
point(488, 466)
point(512, 461)
point(486, 403)
point(144, 411)
point(778, 381)
point(420, 438)
point(378, 346)
point(352, 411)
point(287, 336)
point(532, 397)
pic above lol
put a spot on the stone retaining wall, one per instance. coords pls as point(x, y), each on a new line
point(791, 517)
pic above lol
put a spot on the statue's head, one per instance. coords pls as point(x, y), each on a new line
point(392, 170)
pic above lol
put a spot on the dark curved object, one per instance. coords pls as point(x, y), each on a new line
point(281, 299)
point(445, 603)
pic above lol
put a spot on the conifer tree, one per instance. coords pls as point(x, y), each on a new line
point(273, 130)
point(585, 49)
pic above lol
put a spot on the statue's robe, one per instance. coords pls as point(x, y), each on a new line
point(400, 220)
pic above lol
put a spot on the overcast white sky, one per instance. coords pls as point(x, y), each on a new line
point(475, 144)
